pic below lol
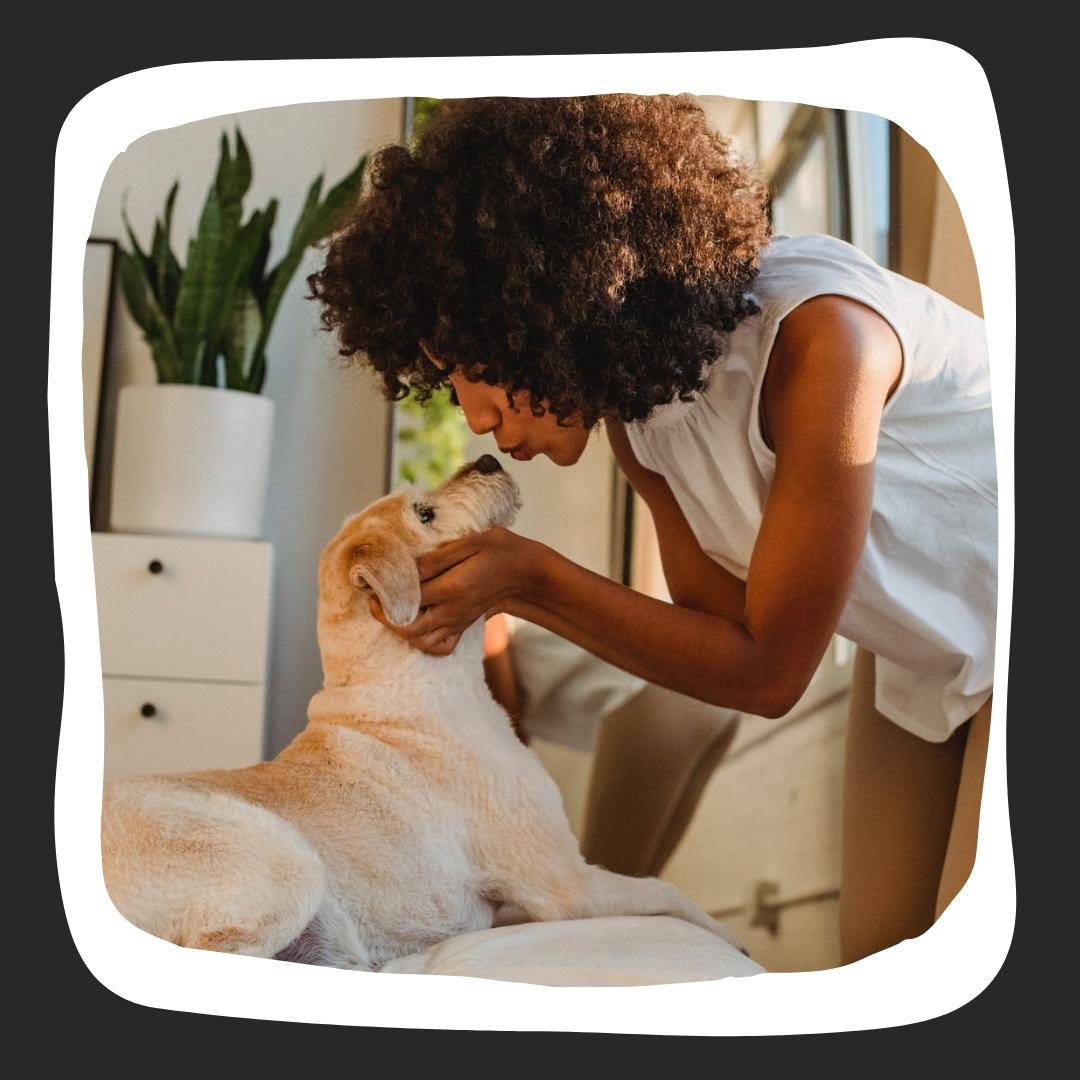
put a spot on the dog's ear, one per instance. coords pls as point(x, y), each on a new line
point(387, 566)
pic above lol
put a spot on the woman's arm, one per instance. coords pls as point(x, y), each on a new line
point(694, 580)
point(670, 646)
point(829, 376)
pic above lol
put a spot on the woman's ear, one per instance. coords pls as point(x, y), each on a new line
point(388, 568)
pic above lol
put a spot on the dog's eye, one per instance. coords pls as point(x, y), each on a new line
point(424, 512)
point(454, 398)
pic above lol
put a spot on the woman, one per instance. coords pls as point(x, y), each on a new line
point(811, 432)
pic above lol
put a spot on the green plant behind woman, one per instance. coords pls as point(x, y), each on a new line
point(209, 322)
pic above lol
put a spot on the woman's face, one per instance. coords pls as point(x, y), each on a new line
point(517, 433)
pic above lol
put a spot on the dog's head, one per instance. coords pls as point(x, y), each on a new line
point(376, 550)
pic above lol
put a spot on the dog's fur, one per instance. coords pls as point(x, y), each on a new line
point(404, 813)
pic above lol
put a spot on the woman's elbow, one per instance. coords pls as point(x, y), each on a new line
point(772, 704)
point(771, 699)
point(778, 692)
point(768, 684)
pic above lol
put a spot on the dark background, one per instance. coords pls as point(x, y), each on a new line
point(66, 1008)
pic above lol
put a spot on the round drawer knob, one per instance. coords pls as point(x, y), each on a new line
point(148, 710)
point(156, 566)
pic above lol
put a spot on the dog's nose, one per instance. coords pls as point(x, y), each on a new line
point(487, 464)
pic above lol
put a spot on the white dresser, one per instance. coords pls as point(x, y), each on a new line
point(184, 626)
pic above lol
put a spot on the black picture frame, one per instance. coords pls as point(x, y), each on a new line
point(99, 289)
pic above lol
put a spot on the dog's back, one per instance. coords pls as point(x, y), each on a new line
point(199, 867)
point(344, 828)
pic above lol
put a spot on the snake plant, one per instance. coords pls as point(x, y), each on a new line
point(208, 322)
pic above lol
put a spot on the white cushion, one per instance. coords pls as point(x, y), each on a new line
point(617, 951)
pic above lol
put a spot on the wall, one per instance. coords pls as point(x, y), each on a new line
point(735, 118)
point(770, 815)
point(951, 266)
point(933, 245)
point(329, 447)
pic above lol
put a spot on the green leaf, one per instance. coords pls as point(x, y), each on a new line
point(166, 265)
point(144, 259)
point(133, 285)
point(257, 283)
point(423, 108)
point(237, 261)
point(217, 262)
point(169, 201)
point(221, 179)
point(241, 333)
point(242, 171)
point(199, 299)
point(156, 328)
point(208, 368)
point(282, 274)
point(167, 270)
point(339, 200)
point(308, 212)
point(257, 375)
point(231, 184)
point(166, 358)
point(317, 220)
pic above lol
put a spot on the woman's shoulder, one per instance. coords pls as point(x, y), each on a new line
point(791, 266)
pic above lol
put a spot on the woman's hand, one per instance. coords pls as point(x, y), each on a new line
point(464, 580)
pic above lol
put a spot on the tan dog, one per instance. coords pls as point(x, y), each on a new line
point(404, 813)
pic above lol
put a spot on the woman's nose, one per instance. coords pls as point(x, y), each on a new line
point(481, 415)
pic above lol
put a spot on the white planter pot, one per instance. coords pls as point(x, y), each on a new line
point(191, 461)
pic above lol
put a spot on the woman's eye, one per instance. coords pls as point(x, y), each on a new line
point(424, 513)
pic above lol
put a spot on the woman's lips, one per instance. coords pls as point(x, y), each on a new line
point(518, 453)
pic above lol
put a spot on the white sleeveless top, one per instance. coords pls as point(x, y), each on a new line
point(924, 596)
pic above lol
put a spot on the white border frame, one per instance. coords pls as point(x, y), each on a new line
point(917, 980)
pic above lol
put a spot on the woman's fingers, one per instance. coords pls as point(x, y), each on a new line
point(440, 559)
point(426, 630)
point(438, 643)
point(439, 590)
point(376, 609)
point(423, 623)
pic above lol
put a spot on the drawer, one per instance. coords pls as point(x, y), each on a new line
point(193, 726)
point(202, 615)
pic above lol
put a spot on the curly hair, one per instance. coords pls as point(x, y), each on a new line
point(590, 251)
